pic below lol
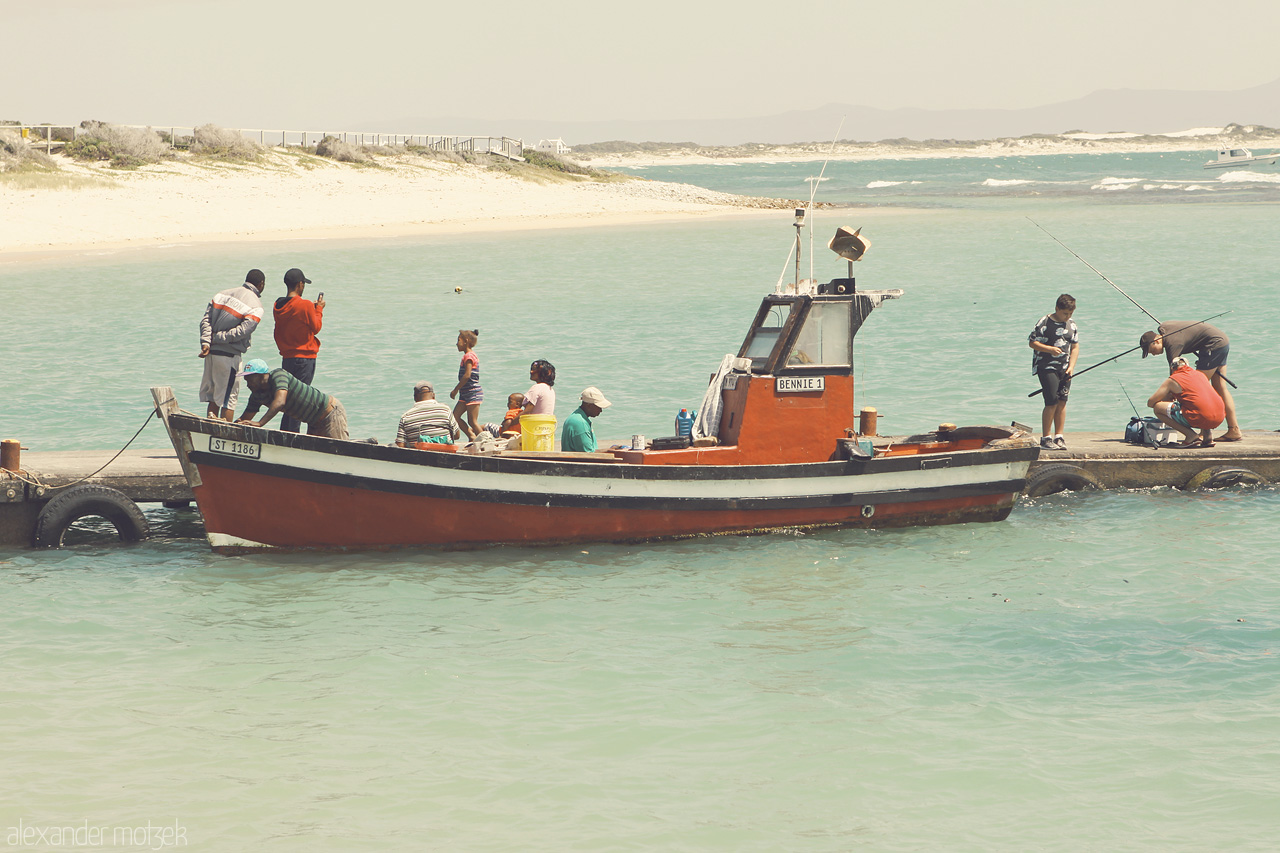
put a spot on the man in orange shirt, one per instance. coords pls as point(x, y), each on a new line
point(1187, 402)
point(297, 321)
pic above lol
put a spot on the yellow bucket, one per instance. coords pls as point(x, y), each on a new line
point(537, 432)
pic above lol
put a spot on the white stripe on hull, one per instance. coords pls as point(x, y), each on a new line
point(613, 487)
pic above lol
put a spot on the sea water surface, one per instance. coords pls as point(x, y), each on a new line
point(1097, 672)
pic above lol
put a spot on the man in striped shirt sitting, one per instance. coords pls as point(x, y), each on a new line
point(429, 420)
point(280, 391)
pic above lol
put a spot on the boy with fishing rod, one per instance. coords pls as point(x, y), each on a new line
point(1056, 342)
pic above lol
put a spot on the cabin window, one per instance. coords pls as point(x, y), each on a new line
point(1238, 152)
point(765, 336)
point(825, 337)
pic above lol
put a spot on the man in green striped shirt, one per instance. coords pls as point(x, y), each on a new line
point(280, 391)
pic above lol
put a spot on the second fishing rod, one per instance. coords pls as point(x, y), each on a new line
point(1133, 349)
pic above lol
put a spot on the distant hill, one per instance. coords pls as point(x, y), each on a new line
point(1136, 110)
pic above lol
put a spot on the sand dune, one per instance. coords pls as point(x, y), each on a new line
point(291, 195)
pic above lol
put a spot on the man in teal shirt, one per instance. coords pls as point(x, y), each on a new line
point(280, 391)
point(576, 436)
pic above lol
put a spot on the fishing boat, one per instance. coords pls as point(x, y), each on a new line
point(777, 445)
point(1238, 157)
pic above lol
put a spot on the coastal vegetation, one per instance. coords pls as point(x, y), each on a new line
point(219, 143)
point(123, 147)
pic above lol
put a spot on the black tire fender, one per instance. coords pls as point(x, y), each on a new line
point(1224, 477)
point(89, 499)
point(1060, 477)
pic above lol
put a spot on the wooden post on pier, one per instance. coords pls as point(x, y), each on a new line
point(11, 455)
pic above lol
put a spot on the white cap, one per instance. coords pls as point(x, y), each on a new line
point(593, 396)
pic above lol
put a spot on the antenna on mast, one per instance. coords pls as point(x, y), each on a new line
point(799, 223)
point(813, 191)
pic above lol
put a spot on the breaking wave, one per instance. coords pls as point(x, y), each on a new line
point(1250, 178)
point(877, 185)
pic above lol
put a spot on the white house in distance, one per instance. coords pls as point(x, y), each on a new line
point(552, 146)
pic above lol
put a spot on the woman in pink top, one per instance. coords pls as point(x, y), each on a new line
point(541, 398)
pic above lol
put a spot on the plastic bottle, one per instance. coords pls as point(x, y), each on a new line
point(684, 423)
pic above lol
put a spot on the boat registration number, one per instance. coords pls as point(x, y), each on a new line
point(235, 448)
point(796, 384)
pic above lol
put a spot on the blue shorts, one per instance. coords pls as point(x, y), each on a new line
point(1175, 412)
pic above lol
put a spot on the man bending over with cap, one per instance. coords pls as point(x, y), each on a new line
point(279, 391)
point(576, 436)
point(428, 420)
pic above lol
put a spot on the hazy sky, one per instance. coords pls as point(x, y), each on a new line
point(285, 64)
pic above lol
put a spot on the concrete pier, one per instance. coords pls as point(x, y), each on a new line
point(143, 476)
point(1108, 462)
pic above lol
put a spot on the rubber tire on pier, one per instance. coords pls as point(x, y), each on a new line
point(1052, 479)
point(1224, 477)
point(89, 499)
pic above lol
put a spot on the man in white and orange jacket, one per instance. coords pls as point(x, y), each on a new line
point(225, 332)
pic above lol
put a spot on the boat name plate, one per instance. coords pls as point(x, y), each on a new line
point(800, 384)
point(242, 449)
point(936, 462)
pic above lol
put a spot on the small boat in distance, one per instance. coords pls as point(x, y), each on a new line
point(777, 446)
point(1237, 157)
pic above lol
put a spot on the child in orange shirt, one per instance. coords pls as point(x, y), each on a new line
point(511, 421)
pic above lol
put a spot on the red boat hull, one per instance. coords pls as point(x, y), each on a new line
point(292, 514)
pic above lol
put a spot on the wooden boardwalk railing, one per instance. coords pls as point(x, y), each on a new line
point(54, 136)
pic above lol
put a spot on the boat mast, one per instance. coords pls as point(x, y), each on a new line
point(799, 224)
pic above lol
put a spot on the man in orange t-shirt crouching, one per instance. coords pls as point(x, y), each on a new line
point(1187, 402)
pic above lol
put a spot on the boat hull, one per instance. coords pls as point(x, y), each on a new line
point(1240, 163)
point(299, 492)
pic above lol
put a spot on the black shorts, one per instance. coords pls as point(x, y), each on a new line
point(1208, 359)
point(1056, 386)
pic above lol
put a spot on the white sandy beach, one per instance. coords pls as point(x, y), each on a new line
point(88, 207)
point(289, 196)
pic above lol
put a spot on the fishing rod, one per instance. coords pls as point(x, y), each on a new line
point(1095, 269)
point(1130, 399)
point(1131, 349)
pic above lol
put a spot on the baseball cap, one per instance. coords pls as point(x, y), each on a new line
point(294, 276)
point(255, 365)
point(593, 396)
point(424, 385)
point(1145, 342)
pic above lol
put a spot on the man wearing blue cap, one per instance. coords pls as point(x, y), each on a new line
point(280, 391)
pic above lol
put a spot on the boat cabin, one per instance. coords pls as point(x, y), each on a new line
point(789, 397)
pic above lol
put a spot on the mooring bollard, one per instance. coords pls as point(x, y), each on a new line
point(11, 454)
point(867, 421)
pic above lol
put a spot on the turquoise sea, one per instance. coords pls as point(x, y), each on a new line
point(1098, 672)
